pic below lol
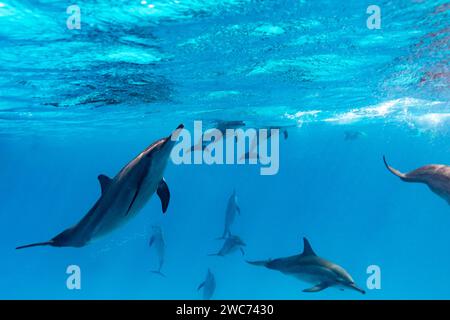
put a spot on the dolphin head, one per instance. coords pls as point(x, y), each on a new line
point(344, 279)
point(160, 150)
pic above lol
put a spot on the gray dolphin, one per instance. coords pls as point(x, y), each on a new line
point(208, 285)
point(157, 241)
point(310, 268)
point(435, 176)
point(122, 197)
point(230, 214)
point(231, 244)
point(253, 153)
point(353, 135)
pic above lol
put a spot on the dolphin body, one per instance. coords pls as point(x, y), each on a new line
point(435, 176)
point(253, 153)
point(209, 286)
point(311, 268)
point(222, 126)
point(231, 244)
point(157, 242)
point(353, 135)
point(230, 214)
point(122, 197)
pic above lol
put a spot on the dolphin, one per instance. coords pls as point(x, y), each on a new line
point(353, 135)
point(157, 241)
point(253, 153)
point(122, 197)
point(308, 267)
point(231, 244)
point(435, 176)
point(208, 285)
point(230, 214)
point(222, 126)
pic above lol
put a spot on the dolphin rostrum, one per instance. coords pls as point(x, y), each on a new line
point(122, 196)
point(230, 214)
point(157, 241)
point(435, 176)
point(209, 285)
point(308, 267)
point(231, 244)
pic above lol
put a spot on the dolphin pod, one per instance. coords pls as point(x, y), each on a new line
point(435, 176)
point(122, 197)
point(309, 267)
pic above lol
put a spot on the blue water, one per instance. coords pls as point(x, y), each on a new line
point(77, 103)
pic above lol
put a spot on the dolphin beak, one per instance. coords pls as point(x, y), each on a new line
point(173, 137)
point(355, 287)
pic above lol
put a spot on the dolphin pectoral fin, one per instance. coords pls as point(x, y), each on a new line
point(105, 181)
point(238, 210)
point(163, 194)
point(47, 243)
point(242, 251)
point(201, 285)
point(319, 287)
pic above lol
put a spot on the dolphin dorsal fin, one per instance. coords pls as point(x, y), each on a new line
point(105, 181)
point(307, 249)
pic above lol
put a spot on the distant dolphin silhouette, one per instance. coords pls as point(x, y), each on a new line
point(353, 135)
point(157, 242)
point(230, 214)
point(252, 153)
point(231, 244)
point(122, 197)
point(435, 176)
point(209, 285)
point(308, 267)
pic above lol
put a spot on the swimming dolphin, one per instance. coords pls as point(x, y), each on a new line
point(122, 197)
point(209, 285)
point(222, 126)
point(231, 244)
point(253, 153)
point(353, 135)
point(308, 267)
point(435, 176)
point(230, 214)
point(157, 241)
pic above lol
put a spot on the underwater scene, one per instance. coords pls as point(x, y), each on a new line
point(227, 149)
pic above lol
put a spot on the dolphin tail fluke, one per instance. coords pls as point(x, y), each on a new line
point(258, 263)
point(395, 171)
point(38, 244)
point(158, 272)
